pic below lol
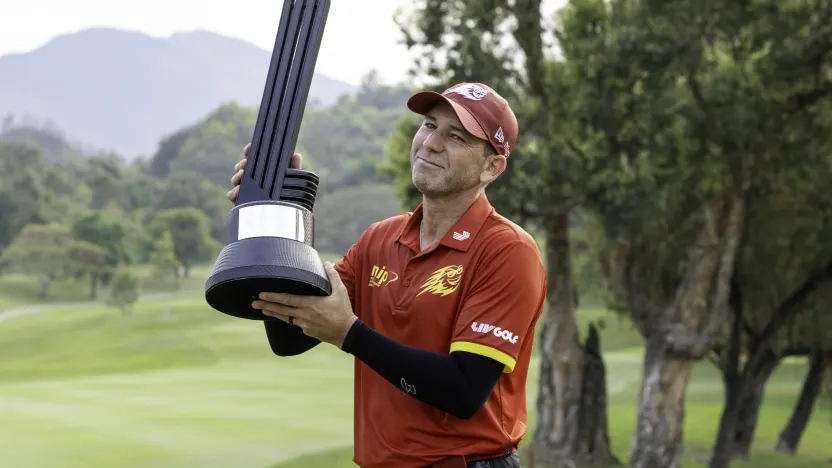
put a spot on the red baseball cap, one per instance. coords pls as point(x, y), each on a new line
point(484, 113)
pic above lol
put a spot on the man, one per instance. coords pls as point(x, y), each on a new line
point(438, 306)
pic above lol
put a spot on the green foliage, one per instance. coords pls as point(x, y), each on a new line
point(356, 134)
point(24, 196)
point(189, 229)
point(368, 204)
point(164, 261)
point(51, 140)
point(191, 190)
point(41, 250)
point(86, 258)
point(213, 145)
point(124, 290)
point(397, 164)
point(101, 230)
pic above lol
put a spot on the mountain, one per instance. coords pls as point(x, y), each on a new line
point(121, 90)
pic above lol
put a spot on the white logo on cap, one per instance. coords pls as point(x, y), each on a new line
point(507, 148)
point(499, 135)
point(469, 91)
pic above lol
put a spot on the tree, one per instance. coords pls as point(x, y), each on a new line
point(108, 234)
point(776, 297)
point(684, 99)
point(23, 196)
point(124, 290)
point(190, 230)
point(39, 250)
point(87, 259)
point(163, 259)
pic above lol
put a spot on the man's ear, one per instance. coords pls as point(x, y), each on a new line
point(494, 166)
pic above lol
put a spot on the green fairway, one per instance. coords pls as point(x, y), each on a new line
point(179, 385)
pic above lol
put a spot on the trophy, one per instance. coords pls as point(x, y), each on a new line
point(270, 229)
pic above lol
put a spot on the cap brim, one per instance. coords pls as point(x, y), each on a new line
point(424, 101)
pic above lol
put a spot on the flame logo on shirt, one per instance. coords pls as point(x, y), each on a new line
point(443, 281)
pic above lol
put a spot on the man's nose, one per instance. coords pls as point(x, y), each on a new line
point(435, 141)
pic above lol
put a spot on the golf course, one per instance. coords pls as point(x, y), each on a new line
point(176, 384)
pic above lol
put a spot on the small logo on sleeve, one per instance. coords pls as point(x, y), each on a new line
point(407, 387)
point(497, 331)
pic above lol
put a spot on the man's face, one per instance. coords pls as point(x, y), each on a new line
point(445, 159)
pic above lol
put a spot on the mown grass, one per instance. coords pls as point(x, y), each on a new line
point(178, 384)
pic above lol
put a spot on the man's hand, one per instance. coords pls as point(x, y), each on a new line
point(327, 318)
point(239, 169)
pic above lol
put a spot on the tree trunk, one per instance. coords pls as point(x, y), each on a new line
point(790, 437)
point(44, 287)
point(681, 334)
point(93, 286)
point(658, 440)
point(749, 410)
point(738, 389)
point(568, 419)
point(592, 444)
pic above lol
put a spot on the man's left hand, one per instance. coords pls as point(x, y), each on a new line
point(327, 318)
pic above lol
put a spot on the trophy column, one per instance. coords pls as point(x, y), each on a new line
point(271, 227)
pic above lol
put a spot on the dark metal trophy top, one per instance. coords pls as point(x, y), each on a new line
point(284, 99)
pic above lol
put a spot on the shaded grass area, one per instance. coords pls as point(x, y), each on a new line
point(178, 384)
point(18, 291)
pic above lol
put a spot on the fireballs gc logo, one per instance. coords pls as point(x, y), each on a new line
point(443, 281)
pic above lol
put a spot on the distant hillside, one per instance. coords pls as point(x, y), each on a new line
point(124, 90)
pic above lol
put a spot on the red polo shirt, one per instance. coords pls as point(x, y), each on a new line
point(481, 289)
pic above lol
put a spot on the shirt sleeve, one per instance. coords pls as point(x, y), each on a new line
point(503, 304)
point(348, 267)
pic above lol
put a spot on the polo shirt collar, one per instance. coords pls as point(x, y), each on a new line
point(459, 237)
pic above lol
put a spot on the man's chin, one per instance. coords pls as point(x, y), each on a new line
point(425, 187)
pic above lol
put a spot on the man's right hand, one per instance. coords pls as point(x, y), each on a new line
point(239, 169)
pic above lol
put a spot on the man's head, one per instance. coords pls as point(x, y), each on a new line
point(467, 133)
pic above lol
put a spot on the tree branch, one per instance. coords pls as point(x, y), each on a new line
point(683, 339)
point(799, 101)
point(795, 299)
point(789, 307)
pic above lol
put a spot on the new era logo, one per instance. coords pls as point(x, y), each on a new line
point(463, 236)
point(499, 135)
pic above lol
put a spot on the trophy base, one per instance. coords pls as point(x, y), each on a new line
point(247, 267)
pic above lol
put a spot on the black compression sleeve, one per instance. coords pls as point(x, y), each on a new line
point(458, 383)
point(288, 340)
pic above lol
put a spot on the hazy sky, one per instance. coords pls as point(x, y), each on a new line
point(360, 34)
